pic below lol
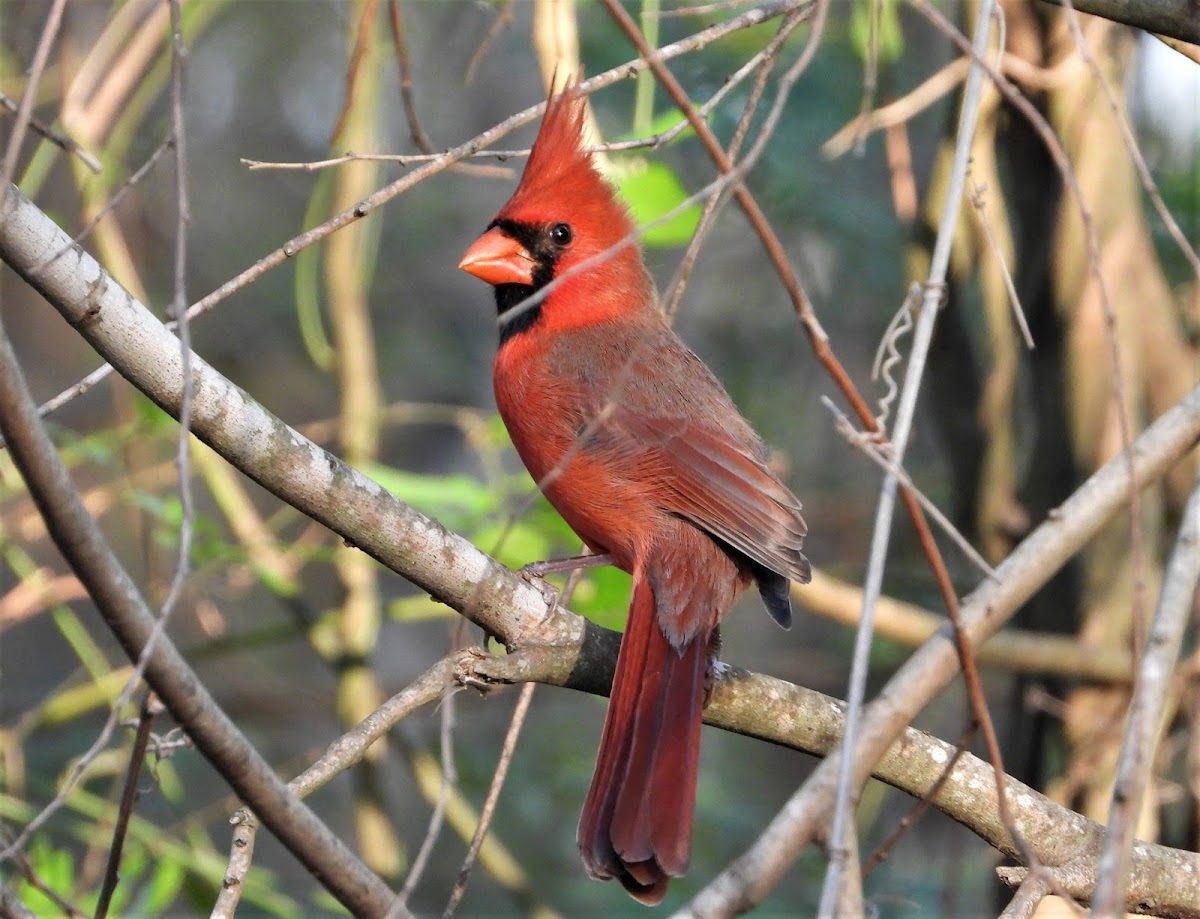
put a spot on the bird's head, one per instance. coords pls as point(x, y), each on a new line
point(565, 223)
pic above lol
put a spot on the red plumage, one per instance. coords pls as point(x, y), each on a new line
point(637, 445)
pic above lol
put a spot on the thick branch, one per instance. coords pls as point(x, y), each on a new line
point(119, 602)
point(1176, 18)
point(1164, 881)
point(279, 458)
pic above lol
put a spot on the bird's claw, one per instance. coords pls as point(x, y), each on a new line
point(714, 673)
point(533, 573)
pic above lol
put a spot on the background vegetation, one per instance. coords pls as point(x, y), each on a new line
point(372, 344)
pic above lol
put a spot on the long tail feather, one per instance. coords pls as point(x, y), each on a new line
point(637, 819)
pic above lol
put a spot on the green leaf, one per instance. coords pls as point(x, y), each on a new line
point(890, 38)
point(603, 596)
point(457, 500)
point(651, 189)
point(164, 886)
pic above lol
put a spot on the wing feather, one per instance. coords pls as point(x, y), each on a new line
point(713, 480)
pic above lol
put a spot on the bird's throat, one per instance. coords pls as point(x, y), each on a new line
point(513, 313)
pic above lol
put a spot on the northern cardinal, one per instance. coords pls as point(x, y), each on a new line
point(634, 441)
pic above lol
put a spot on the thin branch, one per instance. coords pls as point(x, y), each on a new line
point(68, 909)
point(933, 88)
point(241, 854)
point(128, 185)
point(362, 40)
point(1131, 144)
point(437, 818)
point(61, 141)
point(400, 42)
point(137, 756)
point(346, 751)
point(881, 533)
point(493, 795)
point(1144, 723)
point(183, 219)
point(503, 18)
point(870, 448)
point(923, 803)
point(25, 109)
point(763, 62)
point(975, 194)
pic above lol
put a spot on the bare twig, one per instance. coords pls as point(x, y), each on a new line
point(436, 819)
point(1144, 724)
point(362, 40)
point(58, 139)
point(503, 18)
point(763, 62)
point(134, 179)
point(25, 109)
point(179, 309)
point(923, 803)
point(881, 533)
point(241, 854)
point(882, 458)
point(35, 880)
point(975, 194)
point(493, 795)
point(346, 751)
point(137, 756)
point(419, 137)
point(701, 9)
point(870, 76)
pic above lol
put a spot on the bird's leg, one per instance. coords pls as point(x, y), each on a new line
point(715, 671)
point(535, 573)
point(574, 563)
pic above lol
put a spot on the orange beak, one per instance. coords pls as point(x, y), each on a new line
point(498, 259)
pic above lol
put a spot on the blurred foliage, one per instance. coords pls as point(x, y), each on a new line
point(264, 611)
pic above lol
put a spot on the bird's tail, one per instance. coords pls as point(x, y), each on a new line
point(637, 819)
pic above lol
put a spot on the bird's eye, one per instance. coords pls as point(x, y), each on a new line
point(561, 234)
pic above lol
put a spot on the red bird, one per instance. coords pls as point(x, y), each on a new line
point(637, 445)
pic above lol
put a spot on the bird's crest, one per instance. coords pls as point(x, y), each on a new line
point(561, 170)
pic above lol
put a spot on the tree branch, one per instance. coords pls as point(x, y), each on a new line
point(119, 602)
point(1176, 18)
point(1164, 881)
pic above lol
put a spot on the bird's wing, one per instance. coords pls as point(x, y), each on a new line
point(716, 482)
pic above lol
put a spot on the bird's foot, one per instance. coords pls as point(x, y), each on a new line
point(535, 573)
point(714, 673)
